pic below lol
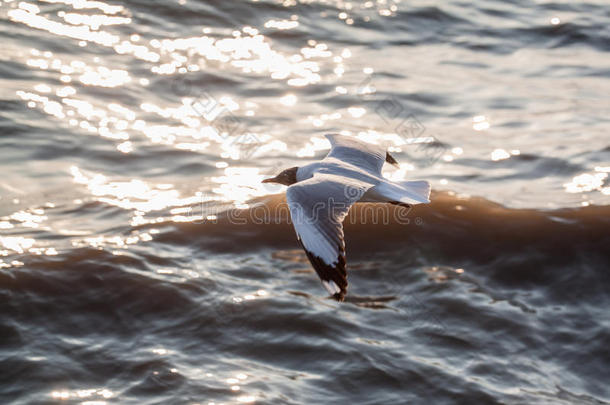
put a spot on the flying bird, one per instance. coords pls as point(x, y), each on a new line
point(320, 194)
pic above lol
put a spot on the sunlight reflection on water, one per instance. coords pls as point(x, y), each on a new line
point(129, 125)
point(181, 123)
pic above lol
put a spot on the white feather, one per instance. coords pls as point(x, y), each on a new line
point(331, 287)
point(317, 208)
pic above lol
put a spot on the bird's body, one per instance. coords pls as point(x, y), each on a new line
point(382, 190)
point(320, 194)
point(332, 165)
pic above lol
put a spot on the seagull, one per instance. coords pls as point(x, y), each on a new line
point(320, 194)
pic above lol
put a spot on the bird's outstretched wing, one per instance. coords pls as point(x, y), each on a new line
point(317, 208)
point(365, 155)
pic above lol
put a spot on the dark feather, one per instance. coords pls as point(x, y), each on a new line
point(390, 159)
point(336, 273)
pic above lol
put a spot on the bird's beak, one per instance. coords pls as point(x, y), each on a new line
point(271, 180)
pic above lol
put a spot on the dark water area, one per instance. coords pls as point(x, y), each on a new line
point(142, 261)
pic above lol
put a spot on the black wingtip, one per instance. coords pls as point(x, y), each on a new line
point(340, 297)
point(335, 274)
point(390, 159)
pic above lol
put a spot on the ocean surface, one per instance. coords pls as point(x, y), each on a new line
point(142, 261)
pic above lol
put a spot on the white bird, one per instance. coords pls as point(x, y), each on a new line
point(320, 194)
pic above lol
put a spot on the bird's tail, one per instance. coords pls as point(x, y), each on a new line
point(404, 192)
point(418, 191)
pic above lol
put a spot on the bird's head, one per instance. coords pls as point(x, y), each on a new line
point(286, 177)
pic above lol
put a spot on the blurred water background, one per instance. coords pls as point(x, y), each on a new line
point(128, 129)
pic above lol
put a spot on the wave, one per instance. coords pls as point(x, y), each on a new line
point(452, 226)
